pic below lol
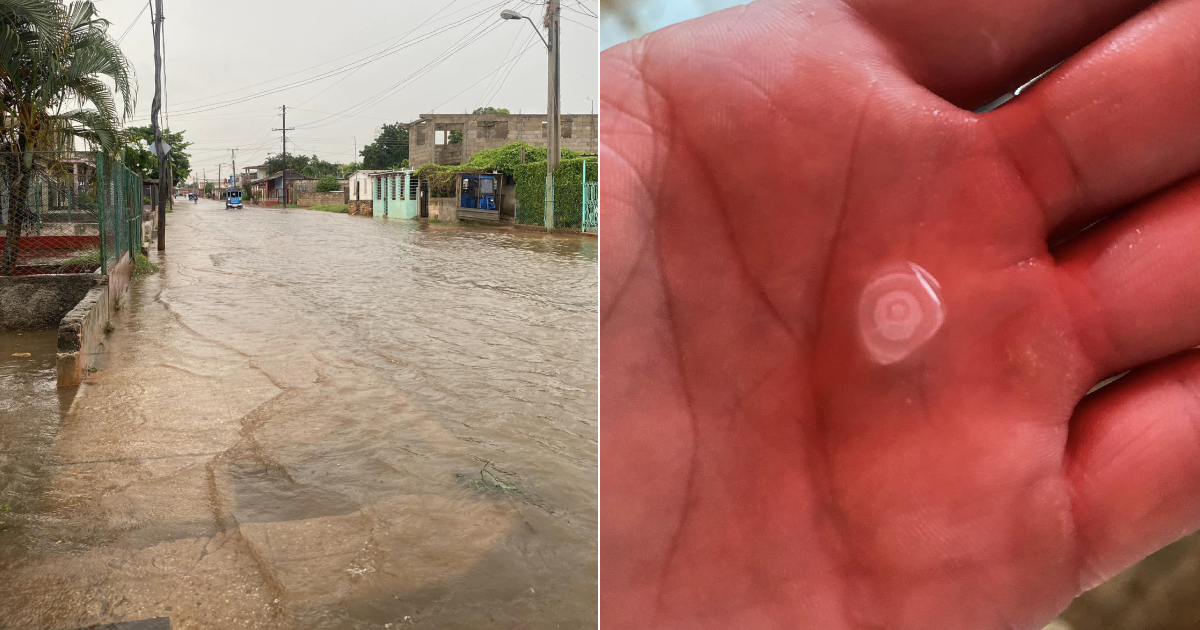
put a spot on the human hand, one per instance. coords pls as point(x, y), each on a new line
point(761, 166)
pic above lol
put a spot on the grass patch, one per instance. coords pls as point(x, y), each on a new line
point(87, 258)
point(336, 208)
point(142, 266)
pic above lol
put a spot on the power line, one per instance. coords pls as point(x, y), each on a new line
point(323, 63)
point(475, 83)
point(508, 52)
point(584, 12)
point(410, 32)
point(379, 96)
point(511, 67)
point(163, 34)
point(134, 23)
point(337, 71)
point(590, 28)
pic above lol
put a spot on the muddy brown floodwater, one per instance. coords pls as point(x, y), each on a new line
point(310, 420)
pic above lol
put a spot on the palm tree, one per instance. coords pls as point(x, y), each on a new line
point(54, 62)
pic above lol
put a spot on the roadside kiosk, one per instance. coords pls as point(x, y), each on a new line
point(479, 197)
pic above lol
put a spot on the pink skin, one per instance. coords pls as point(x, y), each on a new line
point(759, 470)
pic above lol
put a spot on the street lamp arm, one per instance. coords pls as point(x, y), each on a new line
point(538, 31)
point(509, 14)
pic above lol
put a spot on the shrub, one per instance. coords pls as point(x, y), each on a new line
point(328, 183)
point(568, 192)
point(504, 159)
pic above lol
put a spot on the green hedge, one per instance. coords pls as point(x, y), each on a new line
point(505, 159)
point(568, 191)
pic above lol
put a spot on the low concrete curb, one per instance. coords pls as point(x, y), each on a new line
point(561, 231)
point(81, 332)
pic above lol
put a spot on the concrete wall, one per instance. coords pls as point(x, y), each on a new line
point(360, 208)
point(40, 302)
point(81, 336)
point(81, 332)
point(443, 209)
point(320, 199)
point(580, 132)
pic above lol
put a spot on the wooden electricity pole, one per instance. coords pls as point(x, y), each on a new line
point(283, 177)
point(158, 143)
point(552, 151)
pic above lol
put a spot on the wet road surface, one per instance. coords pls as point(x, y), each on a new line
point(310, 420)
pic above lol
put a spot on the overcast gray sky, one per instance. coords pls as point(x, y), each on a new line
point(222, 54)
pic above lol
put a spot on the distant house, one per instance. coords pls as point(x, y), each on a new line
point(273, 186)
point(251, 173)
point(359, 188)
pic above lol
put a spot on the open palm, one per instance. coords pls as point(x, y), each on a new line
point(762, 165)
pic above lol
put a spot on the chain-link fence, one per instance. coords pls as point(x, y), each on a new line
point(67, 212)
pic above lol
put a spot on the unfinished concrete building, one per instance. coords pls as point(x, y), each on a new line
point(431, 139)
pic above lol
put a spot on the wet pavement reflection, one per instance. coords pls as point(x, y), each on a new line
point(309, 420)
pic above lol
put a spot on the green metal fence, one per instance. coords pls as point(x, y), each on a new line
point(67, 212)
point(591, 203)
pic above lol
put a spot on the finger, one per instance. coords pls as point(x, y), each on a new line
point(1133, 467)
point(1130, 282)
point(971, 51)
point(1118, 121)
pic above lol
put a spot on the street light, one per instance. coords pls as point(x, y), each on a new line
point(553, 154)
point(509, 14)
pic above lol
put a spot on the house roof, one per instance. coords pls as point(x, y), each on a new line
point(291, 177)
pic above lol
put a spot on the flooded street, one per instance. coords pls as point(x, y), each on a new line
point(310, 420)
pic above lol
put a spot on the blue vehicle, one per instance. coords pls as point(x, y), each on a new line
point(233, 198)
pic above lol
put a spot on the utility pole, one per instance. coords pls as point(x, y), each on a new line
point(552, 151)
point(233, 167)
point(158, 146)
point(592, 101)
point(355, 151)
point(283, 176)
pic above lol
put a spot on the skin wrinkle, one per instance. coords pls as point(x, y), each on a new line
point(820, 469)
point(639, 58)
point(1076, 186)
point(1010, 157)
point(1099, 367)
point(759, 290)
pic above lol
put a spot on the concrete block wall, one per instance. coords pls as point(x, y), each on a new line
point(443, 209)
point(527, 128)
point(360, 208)
point(320, 199)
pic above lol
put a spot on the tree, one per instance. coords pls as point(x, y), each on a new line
point(55, 56)
point(137, 156)
point(208, 188)
point(247, 190)
point(456, 137)
point(389, 149)
point(328, 183)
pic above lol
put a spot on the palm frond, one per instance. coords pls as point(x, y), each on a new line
point(43, 15)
